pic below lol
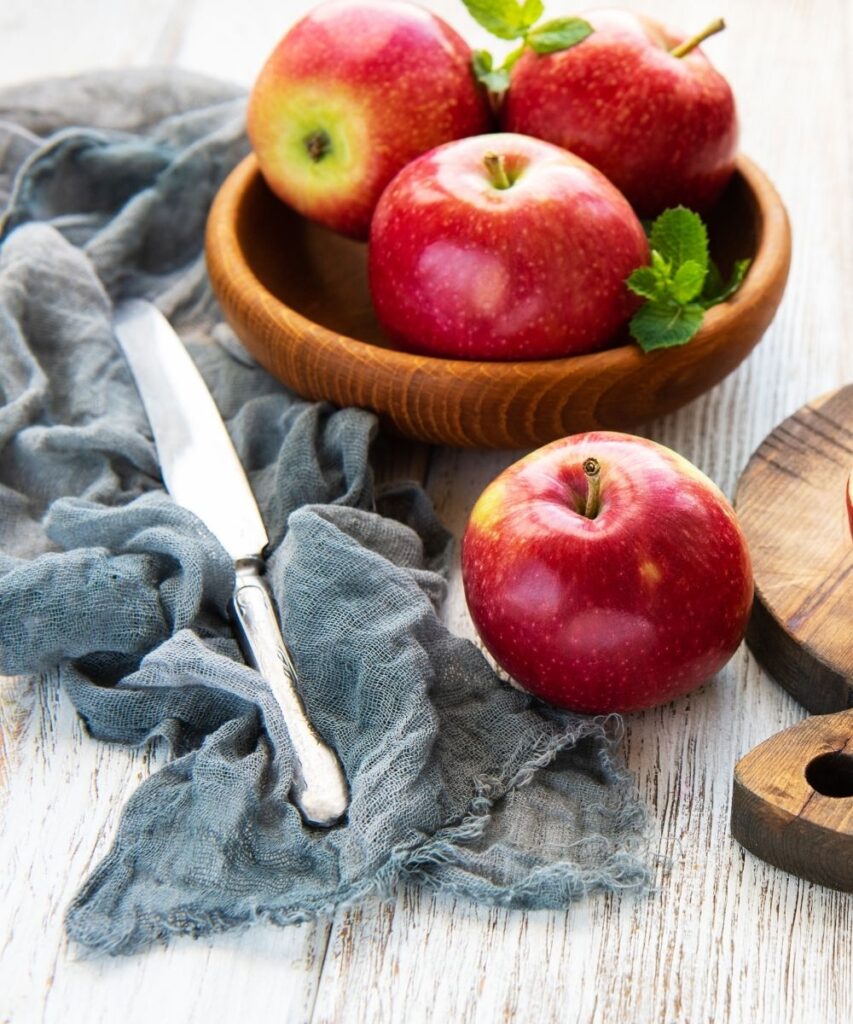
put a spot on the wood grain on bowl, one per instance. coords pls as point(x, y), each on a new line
point(297, 296)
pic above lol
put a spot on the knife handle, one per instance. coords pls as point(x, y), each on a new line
point(319, 786)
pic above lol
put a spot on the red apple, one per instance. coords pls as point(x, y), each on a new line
point(503, 247)
point(609, 601)
point(850, 501)
point(351, 94)
point(662, 128)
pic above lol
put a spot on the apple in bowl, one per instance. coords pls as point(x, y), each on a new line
point(352, 93)
point(503, 247)
point(639, 102)
point(605, 573)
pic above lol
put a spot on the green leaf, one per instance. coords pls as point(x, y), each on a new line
point(736, 280)
point(496, 80)
point(679, 235)
point(511, 58)
point(559, 34)
point(662, 267)
point(716, 292)
point(482, 61)
point(532, 11)
point(506, 19)
point(687, 282)
point(647, 282)
point(681, 282)
point(714, 283)
point(665, 324)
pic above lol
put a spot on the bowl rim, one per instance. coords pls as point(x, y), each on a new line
point(772, 253)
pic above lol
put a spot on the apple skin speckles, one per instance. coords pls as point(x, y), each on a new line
point(663, 129)
point(385, 81)
point(462, 268)
point(630, 609)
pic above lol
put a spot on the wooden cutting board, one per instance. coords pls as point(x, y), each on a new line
point(791, 505)
point(792, 801)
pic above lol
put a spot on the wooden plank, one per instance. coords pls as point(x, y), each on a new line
point(222, 39)
point(60, 813)
point(725, 937)
point(16, 701)
point(63, 791)
point(54, 37)
point(792, 800)
point(791, 502)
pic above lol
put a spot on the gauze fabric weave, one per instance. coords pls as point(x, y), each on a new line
point(459, 782)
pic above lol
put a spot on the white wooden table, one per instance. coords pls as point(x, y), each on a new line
point(725, 937)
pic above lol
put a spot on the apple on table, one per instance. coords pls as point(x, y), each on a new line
point(606, 573)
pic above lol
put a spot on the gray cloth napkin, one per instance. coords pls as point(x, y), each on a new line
point(458, 782)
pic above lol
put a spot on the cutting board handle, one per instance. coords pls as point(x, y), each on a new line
point(792, 802)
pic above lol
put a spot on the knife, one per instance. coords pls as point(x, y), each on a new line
point(202, 472)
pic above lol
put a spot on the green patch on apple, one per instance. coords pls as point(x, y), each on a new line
point(321, 139)
point(680, 283)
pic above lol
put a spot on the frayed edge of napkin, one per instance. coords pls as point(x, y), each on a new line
point(618, 870)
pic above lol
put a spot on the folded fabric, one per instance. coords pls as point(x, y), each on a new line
point(459, 782)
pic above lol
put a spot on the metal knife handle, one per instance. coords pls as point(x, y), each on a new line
point(319, 786)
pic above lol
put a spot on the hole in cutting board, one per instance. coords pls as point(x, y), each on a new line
point(831, 774)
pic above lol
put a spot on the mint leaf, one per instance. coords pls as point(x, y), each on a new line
point(646, 282)
point(559, 34)
point(687, 281)
point(680, 282)
point(736, 280)
point(496, 80)
point(532, 11)
point(665, 324)
point(510, 60)
point(482, 61)
point(715, 291)
point(679, 235)
point(714, 283)
point(514, 19)
point(662, 267)
point(505, 19)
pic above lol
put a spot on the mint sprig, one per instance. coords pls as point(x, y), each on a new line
point(517, 19)
point(680, 283)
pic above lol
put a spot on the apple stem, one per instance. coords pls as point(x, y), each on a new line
point(318, 144)
point(690, 44)
point(496, 167)
point(592, 469)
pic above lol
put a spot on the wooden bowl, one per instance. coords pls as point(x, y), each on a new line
point(297, 297)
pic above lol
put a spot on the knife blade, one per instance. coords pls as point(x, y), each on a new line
point(202, 472)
